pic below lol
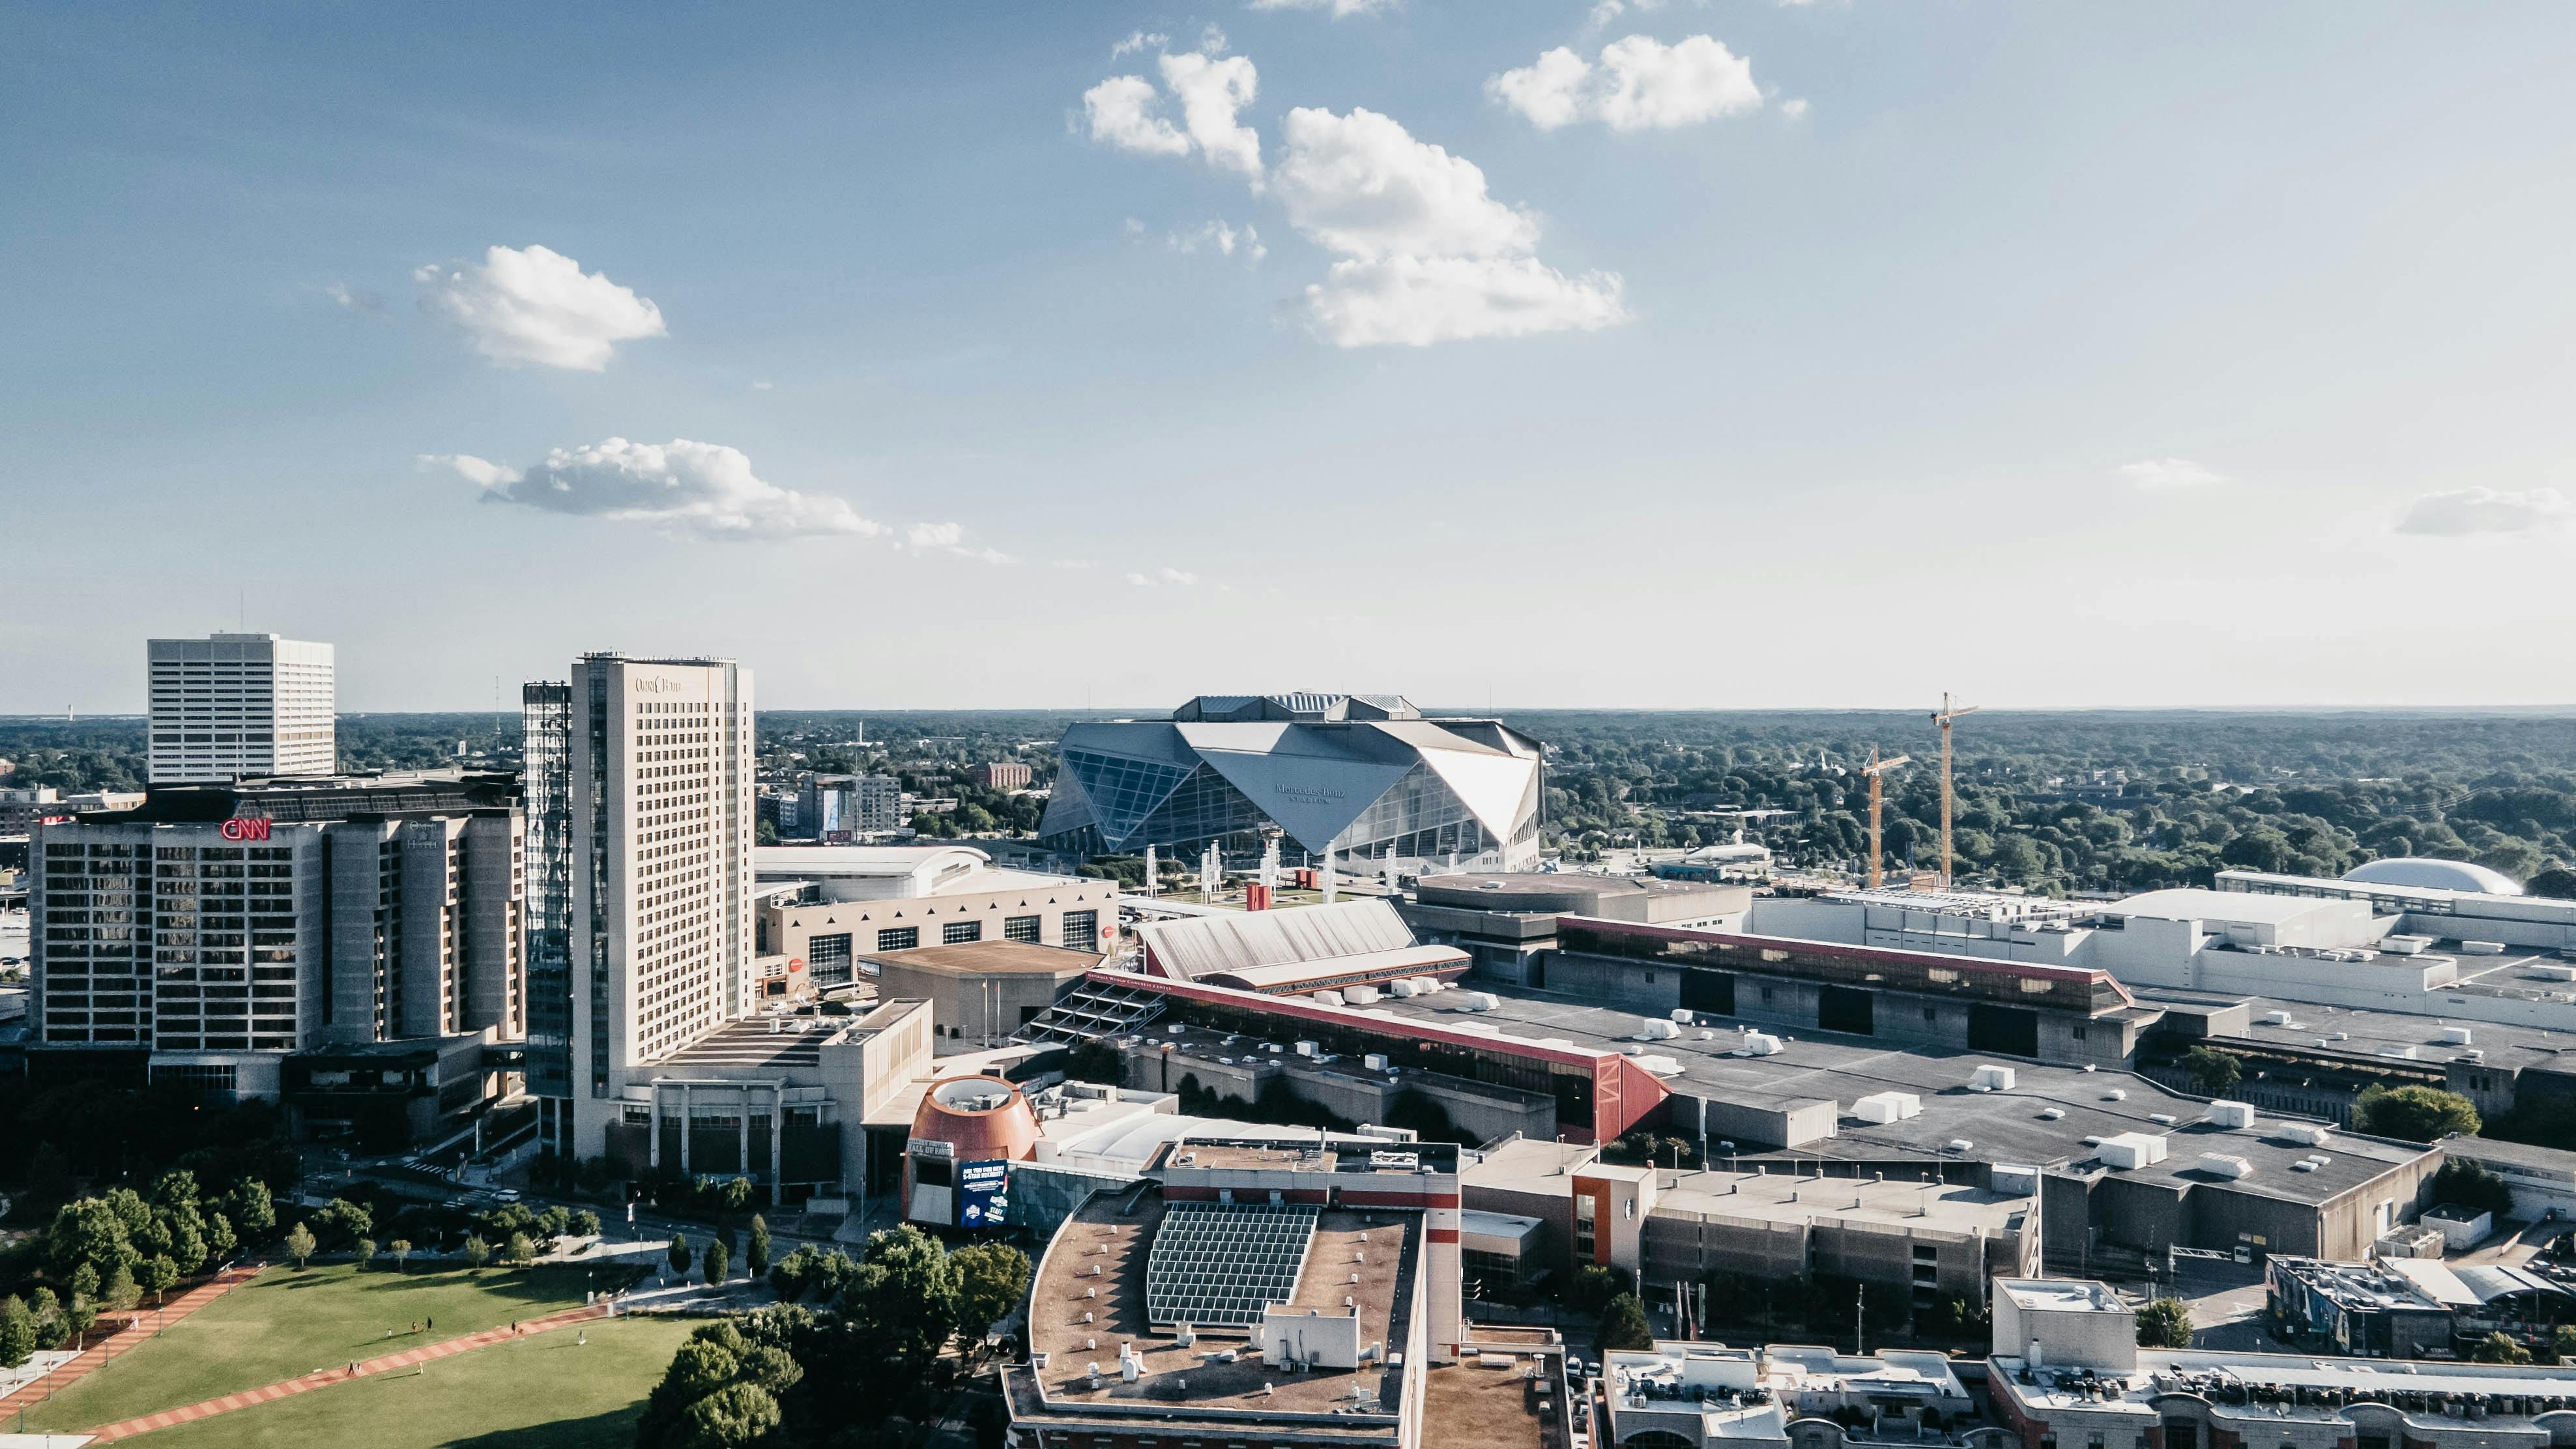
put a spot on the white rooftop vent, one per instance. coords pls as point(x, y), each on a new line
point(1882, 1108)
point(2306, 1134)
point(1477, 1001)
point(1374, 1061)
point(1328, 998)
point(1991, 1078)
point(1307, 1049)
point(2457, 1036)
point(2051, 1114)
point(2482, 948)
point(1962, 1144)
point(1656, 1028)
point(1760, 1044)
point(2404, 1052)
point(2225, 1164)
point(2232, 1114)
point(2163, 1119)
point(1360, 995)
point(2116, 1094)
point(2276, 1018)
point(1682, 1015)
point(2133, 1150)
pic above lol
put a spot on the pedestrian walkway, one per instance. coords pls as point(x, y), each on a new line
point(73, 1370)
point(325, 1378)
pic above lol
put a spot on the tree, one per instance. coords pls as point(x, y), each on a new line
point(400, 1248)
point(1593, 1288)
point(585, 1223)
point(363, 1253)
point(51, 1327)
point(254, 1213)
point(300, 1244)
point(160, 1274)
point(738, 1193)
point(341, 1220)
point(902, 1301)
point(2415, 1114)
point(82, 1314)
point(220, 1239)
point(755, 1257)
point(730, 1418)
point(121, 1294)
point(991, 1278)
point(1623, 1325)
point(2215, 1072)
point(2563, 1342)
point(2165, 1323)
point(716, 1260)
point(477, 1252)
point(17, 1332)
point(2496, 1348)
point(519, 1248)
point(2470, 1185)
point(680, 1254)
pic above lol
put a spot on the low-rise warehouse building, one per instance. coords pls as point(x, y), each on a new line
point(834, 904)
point(982, 992)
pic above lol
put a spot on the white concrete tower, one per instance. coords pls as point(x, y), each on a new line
point(241, 706)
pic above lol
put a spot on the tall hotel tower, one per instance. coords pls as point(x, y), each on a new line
point(651, 789)
point(241, 706)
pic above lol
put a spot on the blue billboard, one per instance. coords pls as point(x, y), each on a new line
point(983, 1194)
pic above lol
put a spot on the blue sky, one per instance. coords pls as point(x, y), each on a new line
point(2056, 355)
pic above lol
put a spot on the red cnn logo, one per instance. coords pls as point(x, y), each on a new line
point(245, 830)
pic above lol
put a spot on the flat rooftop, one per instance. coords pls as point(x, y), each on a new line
point(2189, 904)
point(2006, 1126)
point(2238, 1385)
point(989, 958)
point(1507, 1397)
point(1095, 1269)
point(2377, 1036)
point(2060, 1295)
point(1248, 1148)
point(774, 1043)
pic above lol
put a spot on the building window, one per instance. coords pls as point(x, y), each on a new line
point(827, 959)
point(900, 938)
point(958, 933)
point(2181, 1434)
point(1082, 930)
point(1023, 929)
point(2077, 1032)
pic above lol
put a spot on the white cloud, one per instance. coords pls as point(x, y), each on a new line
point(477, 471)
point(702, 490)
point(1121, 112)
point(360, 301)
point(1226, 239)
point(1793, 109)
point(1125, 111)
point(537, 305)
point(1138, 42)
point(1362, 186)
point(950, 538)
point(1428, 254)
point(1640, 84)
point(1211, 92)
point(1417, 301)
point(762, 386)
point(1162, 576)
point(2166, 475)
point(1339, 8)
point(2460, 512)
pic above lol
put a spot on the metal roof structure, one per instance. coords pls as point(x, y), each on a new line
point(1238, 941)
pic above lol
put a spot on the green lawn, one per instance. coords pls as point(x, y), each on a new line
point(285, 1323)
point(547, 1392)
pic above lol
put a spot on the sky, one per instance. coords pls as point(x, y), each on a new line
point(1578, 353)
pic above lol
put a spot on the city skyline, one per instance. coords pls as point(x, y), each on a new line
point(1475, 354)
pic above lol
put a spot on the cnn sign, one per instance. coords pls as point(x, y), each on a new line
point(245, 830)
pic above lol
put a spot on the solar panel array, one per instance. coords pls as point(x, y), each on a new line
point(1224, 1262)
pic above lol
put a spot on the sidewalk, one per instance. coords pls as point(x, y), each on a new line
point(73, 1370)
point(325, 1378)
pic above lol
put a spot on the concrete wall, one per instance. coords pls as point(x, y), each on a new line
point(962, 1009)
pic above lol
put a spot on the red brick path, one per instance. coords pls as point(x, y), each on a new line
point(73, 1370)
point(325, 1378)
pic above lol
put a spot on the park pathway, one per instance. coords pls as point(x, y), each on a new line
point(325, 1378)
point(73, 1370)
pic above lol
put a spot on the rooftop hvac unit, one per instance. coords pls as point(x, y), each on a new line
point(2472, 1056)
point(1659, 1064)
point(1656, 1028)
point(1682, 1015)
point(1962, 1144)
point(1328, 998)
point(2276, 1018)
point(2555, 973)
point(1374, 1061)
point(1402, 989)
point(1360, 995)
point(2051, 1114)
point(1760, 1044)
point(2116, 1094)
point(1477, 1001)
point(2404, 1052)
point(2457, 1036)
point(2232, 1114)
point(2404, 945)
point(2224, 1164)
point(2132, 1150)
point(1991, 1078)
point(1882, 1108)
point(2482, 948)
point(1307, 1049)
point(2306, 1134)
point(2163, 1119)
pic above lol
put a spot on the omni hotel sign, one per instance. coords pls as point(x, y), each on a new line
point(657, 684)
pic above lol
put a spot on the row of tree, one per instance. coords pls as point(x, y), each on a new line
point(835, 1372)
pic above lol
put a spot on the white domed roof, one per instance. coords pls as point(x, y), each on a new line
point(2440, 875)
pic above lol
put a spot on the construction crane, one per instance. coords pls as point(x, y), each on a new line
point(1875, 768)
point(1949, 712)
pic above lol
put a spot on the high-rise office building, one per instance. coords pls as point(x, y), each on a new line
point(241, 706)
point(545, 718)
point(656, 803)
point(215, 930)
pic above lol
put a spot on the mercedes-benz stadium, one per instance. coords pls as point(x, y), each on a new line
point(1364, 776)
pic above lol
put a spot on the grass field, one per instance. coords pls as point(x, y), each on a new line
point(547, 1392)
point(284, 1323)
